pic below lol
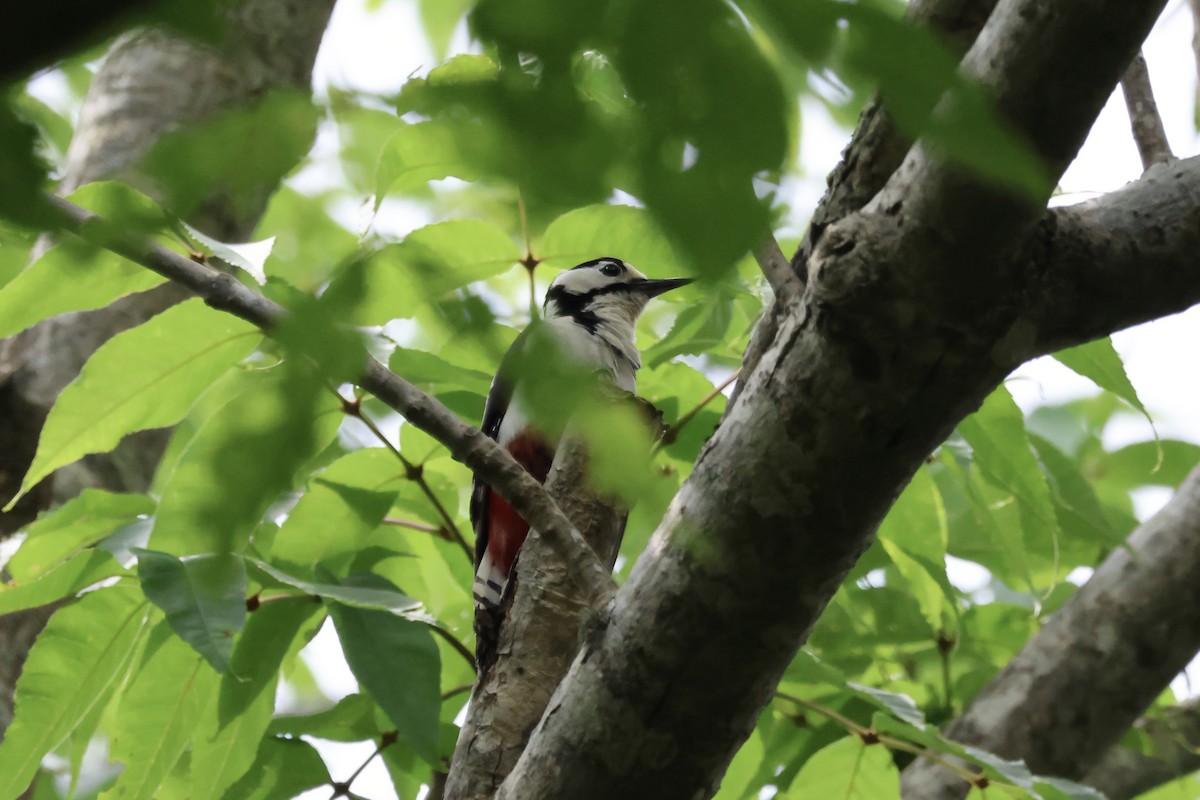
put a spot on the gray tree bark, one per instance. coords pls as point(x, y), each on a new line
point(914, 310)
point(1098, 663)
point(151, 83)
point(1174, 751)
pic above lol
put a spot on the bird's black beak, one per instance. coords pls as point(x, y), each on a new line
point(653, 288)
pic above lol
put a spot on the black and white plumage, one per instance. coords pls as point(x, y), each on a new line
point(590, 314)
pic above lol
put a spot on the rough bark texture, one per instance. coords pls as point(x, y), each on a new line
point(1174, 751)
point(1097, 664)
point(907, 322)
point(150, 83)
point(546, 612)
point(1147, 125)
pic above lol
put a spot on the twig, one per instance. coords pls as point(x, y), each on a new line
point(1147, 125)
point(673, 432)
point(462, 688)
point(413, 472)
point(416, 526)
point(466, 444)
point(870, 735)
point(342, 788)
point(785, 283)
point(458, 646)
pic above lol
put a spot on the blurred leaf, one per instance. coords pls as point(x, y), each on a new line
point(82, 650)
point(430, 371)
point(440, 18)
point(231, 729)
point(203, 597)
point(429, 263)
point(417, 154)
point(23, 170)
point(850, 770)
point(283, 769)
point(1099, 362)
point(145, 377)
point(698, 328)
point(309, 243)
point(343, 503)
point(397, 662)
point(624, 232)
point(1160, 463)
point(78, 523)
point(63, 580)
point(240, 460)
point(229, 153)
point(158, 713)
point(352, 719)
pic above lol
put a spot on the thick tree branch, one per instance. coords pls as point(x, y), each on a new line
point(1174, 743)
point(1119, 260)
point(1148, 132)
point(466, 444)
point(895, 342)
point(873, 154)
point(544, 618)
point(1098, 663)
point(785, 283)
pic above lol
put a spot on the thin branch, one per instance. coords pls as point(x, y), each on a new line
point(785, 283)
point(466, 444)
point(416, 526)
point(413, 472)
point(342, 788)
point(458, 646)
point(1148, 131)
point(673, 432)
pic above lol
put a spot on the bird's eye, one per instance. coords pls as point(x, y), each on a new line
point(611, 270)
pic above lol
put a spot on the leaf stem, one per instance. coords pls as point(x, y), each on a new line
point(453, 641)
point(673, 432)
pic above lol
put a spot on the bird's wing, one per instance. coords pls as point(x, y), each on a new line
point(498, 399)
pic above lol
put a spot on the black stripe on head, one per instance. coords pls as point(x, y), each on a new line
point(595, 262)
point(574, 306)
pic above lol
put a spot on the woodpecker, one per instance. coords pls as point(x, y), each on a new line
point(589, 316)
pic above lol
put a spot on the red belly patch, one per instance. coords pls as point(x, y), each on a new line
point(506, 531)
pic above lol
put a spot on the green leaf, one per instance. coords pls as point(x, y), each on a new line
point(242, 458)
point(83, 649)
point(1003, 454)
point(142, 378)
point(158, 714)
point(1079, 511)
point(900, 706)
point(1161, 463)
point(78, 523)
point(914, 535)
point(416, 154)
point(849, 770)
point(436, 374)
point(232, 728)
point(697, 329)
point(283, 769)
point(624, 232)
point(343, 503)
point(439, 18)
point(352, 719)
point(63, 580)
point(1099, 362)
point(249, 257)
point(429, 263)
point(397, 662)
point(204, 598)
point(372, 598)
point(76, 276)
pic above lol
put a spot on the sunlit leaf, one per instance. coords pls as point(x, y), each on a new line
point(1099, 362)
point(343, 503)
point(248, 256)
point(158, 714)
point(146, 377)
point(850, 770)
point(63, 580)
point(415, 155)
point(78, 523)
point(372, 598)
point(351, 719)
point(430, 262)
point(83, 649)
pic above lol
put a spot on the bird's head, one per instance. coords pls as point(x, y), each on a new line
point(604, 292)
